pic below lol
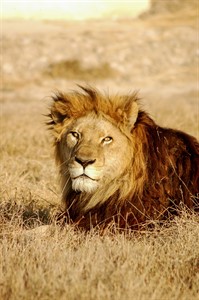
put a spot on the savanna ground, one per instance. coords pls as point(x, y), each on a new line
point(157, 55)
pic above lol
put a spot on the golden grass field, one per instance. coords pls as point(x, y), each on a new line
point(156, 55)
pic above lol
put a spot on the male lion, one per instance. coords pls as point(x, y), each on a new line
point(118, 166)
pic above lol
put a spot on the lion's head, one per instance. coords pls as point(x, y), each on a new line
point(93, 143)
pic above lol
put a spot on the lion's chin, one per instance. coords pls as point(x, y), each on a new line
point(84, 184)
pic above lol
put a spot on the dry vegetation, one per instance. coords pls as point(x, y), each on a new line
point(156, 55)
point(72, 69)
point(163, 264)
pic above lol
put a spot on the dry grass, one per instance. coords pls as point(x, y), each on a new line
point(162, 264)
point(64, 264)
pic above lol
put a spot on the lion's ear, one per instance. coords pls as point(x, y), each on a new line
point(57, 113)
point(128, 112)
point(132, 113)
point(130, 109)
point(59, 109)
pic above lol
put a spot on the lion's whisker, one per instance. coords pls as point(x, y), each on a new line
point(65, 162)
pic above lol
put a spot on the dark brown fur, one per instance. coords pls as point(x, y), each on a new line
point(171, 158)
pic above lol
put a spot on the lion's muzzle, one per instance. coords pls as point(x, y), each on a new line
point(84, 174)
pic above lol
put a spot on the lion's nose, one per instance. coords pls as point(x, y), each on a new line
point(84, 162)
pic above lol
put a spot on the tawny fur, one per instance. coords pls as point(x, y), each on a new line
point(161, 165)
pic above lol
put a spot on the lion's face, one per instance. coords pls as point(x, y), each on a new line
point(95, 151)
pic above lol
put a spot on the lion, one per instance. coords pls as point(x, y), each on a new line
point(116, 165)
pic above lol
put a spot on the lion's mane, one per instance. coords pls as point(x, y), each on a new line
point(164, 170)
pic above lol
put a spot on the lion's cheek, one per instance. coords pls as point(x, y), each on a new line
point(95, 173)
point(116, 163)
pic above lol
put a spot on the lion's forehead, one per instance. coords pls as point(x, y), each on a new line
point(93, 125)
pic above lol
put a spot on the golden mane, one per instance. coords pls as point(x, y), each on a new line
point(75, 105)
point(163, 171)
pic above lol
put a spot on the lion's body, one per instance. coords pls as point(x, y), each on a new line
point(116, 165)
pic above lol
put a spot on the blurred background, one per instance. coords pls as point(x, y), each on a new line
point(72, 10)
point(120, 46)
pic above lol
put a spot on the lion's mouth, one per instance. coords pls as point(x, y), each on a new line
point(84, 176)
point(84, 183)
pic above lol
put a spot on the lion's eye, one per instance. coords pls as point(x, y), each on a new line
point(107, 140)
point(75, 134)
